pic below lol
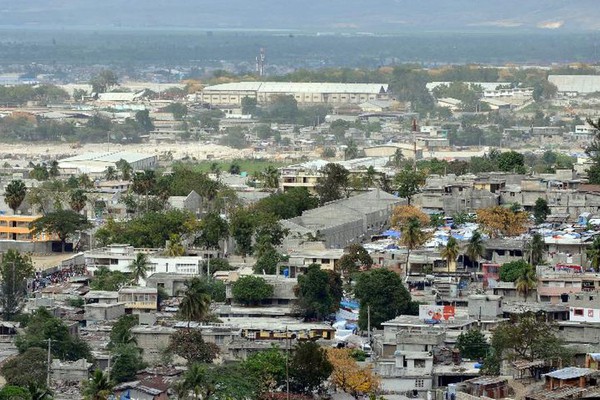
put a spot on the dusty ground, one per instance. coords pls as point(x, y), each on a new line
point(48, 261)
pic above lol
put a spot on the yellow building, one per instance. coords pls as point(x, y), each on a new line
point(16, 227)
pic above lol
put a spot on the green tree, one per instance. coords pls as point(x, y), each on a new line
point(77, 200)
point(98, 387)
point(124, 168)
point(267, 260)
point(268, 366)
point(242, 230)
point(450, 252)
point(120, 333)
point(509, 272)
point(194, 305)
point(333, 183)
point(15, 269)
point(178, 110)
point(476, 247)
point(213, 229)
point(541, 210)
point(14, 194)
point(43, 326)
point(535, 249)
point(316, 297)
point(526, 281)
point(110, 174)
point(270, 177)
point(39, 173)
point(104, 81)
point(351, 151)
point(309, 367)
point(355, 257)
point(283, 109)
point(127, 361)
point(593, 254)
point(249, 106)
point(26, 369)
point(382, 291)
point(189, 344)
point(408, 183)
point(472, 344)
point(105, 279)
point(62, 223)
point(9, 392)
point(412, 236)
point(174, 246)
point(511, 161)
point(251, 290)
point(53, 171)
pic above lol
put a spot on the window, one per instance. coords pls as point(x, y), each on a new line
point(419, 363)
point(578, 312)
point(419, 383)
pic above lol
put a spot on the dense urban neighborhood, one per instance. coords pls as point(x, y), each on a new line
point(253, 231)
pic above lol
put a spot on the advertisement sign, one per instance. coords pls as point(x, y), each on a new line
point(436, 313)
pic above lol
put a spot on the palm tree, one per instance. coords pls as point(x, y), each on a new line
point(271, 177)
point(53, 171)
point(526, 281)
point(593, 254)
point(450, 252)
point(369, 177)
point(15, 194)
point(77, 200)
point(39, 392)
point(195, 379)
point(85, 181)
point(196, 301)
point(110, 174)
point(98, 387)
point(412, 236)
point(475, 248)
point(139, 267)
point(125, 168)
point(174, 248)
point(535, 249)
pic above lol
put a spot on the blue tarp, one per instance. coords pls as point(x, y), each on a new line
point(391, 233)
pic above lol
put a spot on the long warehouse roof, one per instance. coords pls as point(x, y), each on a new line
point(300, 87)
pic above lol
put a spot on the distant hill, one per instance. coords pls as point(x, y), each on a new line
point(312, 15)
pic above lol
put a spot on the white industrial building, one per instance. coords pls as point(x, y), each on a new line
point(575, 84)
point(304, 93)
point(98, 163)
point(118, 257)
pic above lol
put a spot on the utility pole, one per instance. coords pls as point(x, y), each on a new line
point(49, 362)
point(108, 369)
point(369, 324)
point(287, 364)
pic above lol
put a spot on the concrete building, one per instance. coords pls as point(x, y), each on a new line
point(96, 164)
point(153, 340)
point(228, 94)
point(575, 84)
point(172, 284)
point(118, 257)
point(70, 371)
point(192, 202)
point(345, 221)
point(283, 289)
point(100, 312)
point(139, 299)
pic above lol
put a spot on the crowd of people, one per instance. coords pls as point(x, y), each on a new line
point(43, 279)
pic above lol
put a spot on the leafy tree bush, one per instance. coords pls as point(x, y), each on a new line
point(510, 272)
point(382, 291)
point(309, 367)
point(251, 289)
point(189, 344)
point(317, 298)
point(472, 344)
point(28, 368)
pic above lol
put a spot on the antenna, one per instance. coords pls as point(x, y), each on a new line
point(260, 62)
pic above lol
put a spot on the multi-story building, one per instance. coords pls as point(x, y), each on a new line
point(16, 228)
point(304, 93)
point(138, 299)
point(118, 257)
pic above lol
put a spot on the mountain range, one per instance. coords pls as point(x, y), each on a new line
point(358, 16)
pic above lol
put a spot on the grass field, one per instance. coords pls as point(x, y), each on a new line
point(246, 165)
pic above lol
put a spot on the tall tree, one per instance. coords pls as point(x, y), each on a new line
point(110, 174)
point(104, 81)
point(333, 183)
point(526, 281)
point(412, 237)
point(77, 200)
point(189, 344)
point(450, 252)
point(27, 368)
point(53, 171)
point(500, 220)
point(317, 298)
point(124, 168)
point(408, 183)
point(270, 177)
point(139, 267)
point(476, 247)
point(15, 269)
point(144, 121)
point(535, 249)
point(381, 291)
point(213, 230)
point(472, 344)
point(194, 305)
point(349, 377)
point(62, 223)
point(309, 367)
point(98, 387)
point(541, 210)
point(15, 194)
point(174, 246)
point(593, 254)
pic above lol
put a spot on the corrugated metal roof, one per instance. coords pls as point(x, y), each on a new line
point(570, 373)
point(300, 87)
point(576, 83)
